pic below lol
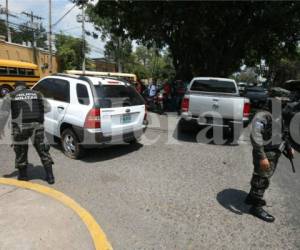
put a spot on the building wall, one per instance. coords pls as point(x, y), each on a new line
point(18, 52)
point(105, 66)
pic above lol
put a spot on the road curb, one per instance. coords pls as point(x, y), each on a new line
point(99, 238)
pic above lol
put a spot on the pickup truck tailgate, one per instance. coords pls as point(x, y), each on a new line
point(226, 107)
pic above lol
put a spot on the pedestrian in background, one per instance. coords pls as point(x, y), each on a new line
point(167, 95)
point(140, 87)
point(152, 89)
point(180, 91)
point(27, 109)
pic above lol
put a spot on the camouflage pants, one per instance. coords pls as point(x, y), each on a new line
point(21, 136)
point(261, 179)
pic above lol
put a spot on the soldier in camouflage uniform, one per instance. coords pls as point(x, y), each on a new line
point(27, 109)
point(267, 137)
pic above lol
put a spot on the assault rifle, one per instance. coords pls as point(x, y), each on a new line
point(285, 148)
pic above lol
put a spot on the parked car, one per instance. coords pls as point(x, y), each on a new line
point(281, 94)
point(257, 95)
point(294, 87)
point(91, 111)
point(215, 102)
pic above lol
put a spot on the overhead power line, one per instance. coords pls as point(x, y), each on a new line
point(17, 25)
point(60, 19)
point(32, 24)
point(32, 16)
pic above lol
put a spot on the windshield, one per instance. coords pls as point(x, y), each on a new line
point(214, 86)
point(113, 96)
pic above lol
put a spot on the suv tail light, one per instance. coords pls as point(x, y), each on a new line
point(92, 119)
point(247, 109)
point(185, 104)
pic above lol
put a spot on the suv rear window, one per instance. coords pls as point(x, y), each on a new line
point(214, 86)
point(82, 94)
point(113, 96)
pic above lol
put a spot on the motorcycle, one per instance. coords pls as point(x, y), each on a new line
point(155, 103)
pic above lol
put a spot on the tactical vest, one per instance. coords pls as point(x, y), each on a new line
point(26, 107)
point(272, 133)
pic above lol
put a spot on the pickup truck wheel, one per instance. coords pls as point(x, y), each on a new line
point(233, 136)
point(70, 144)
point(184, 126)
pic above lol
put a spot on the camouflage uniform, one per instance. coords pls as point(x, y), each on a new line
point(27, 109)
point(266, 139)
point(21, 135)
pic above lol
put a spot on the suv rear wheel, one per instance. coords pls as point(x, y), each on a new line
point(70, 144)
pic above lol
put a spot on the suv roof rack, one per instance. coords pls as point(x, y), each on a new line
point(66, 75)
point(85, 77)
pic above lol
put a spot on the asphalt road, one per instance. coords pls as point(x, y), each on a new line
point(168, 193)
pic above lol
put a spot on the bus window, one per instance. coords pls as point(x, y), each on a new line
point(3, 70)
point(13, 71)
point(22, 72)
point(29, 72)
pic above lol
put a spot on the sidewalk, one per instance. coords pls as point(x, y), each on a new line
point(33, 220)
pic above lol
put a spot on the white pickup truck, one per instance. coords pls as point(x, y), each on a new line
point(214, 102)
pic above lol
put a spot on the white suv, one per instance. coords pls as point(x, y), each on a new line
point(91, 111)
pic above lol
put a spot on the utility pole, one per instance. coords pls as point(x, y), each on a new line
point(120, 69)
point(83, 39)
point(81, 18)
point(7, 14)
point(33, 26)
point(7, 24)
point(50, 38)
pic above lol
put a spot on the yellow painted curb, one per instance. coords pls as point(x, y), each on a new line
point(98, 236)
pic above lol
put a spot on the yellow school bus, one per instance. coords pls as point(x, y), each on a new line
point(12, 71)
point(127, 76)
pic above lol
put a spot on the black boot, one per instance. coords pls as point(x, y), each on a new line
point(22, 176)
point(49, 174)
point(250, 200)
point(260, 213)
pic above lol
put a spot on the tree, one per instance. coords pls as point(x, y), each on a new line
point(248, 75)
point(207, 38)
point(150, 63)
point(69, 51)
point(25, 34)
point(285, 69)
point(3, 29)
point(143, 55)
point(118, 50)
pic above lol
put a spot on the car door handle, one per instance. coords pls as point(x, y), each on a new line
point(60, 108)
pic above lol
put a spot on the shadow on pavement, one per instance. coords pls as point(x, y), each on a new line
point(233, 200)
point(33, 172)
point(204, 135)
point(110, 152)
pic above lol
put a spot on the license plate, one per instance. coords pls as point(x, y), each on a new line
point(125, 119)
